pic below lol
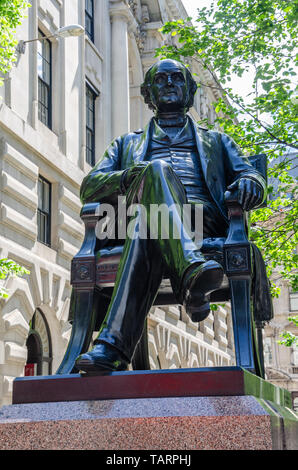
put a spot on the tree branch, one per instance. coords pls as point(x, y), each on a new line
point(256, 119)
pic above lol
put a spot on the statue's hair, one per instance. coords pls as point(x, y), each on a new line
point(145, 87)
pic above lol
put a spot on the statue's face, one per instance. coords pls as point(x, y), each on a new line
point(169, 89)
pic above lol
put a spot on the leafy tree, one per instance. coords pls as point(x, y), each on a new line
point(9, 268)
point(233, 38)
point(288, 338)
point(11, 14)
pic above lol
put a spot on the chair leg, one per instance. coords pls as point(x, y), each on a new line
point(140, 360)
point(83, 313)
point(258, 349)
point(242, 325)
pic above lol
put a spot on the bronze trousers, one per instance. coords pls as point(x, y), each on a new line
point(145, 260)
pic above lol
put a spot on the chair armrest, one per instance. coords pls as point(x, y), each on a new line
point(237, 249)
point(89, 215)
point(83, 264)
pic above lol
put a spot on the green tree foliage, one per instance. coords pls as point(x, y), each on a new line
point(9, 268)
point(11, 14)
point(288, 338)
point(232, 38)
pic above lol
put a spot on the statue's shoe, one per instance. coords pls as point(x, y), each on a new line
point(198, 283)
point(103, 357)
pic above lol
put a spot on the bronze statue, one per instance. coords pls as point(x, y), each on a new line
point(174, 162)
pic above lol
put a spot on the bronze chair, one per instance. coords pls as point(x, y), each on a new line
point(94, 269)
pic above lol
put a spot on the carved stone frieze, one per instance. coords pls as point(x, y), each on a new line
point(133, 5)
point(140, 36)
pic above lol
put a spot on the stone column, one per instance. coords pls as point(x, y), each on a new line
point(119, 68)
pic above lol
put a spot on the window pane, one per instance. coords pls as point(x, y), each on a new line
point(89, 97)
point(44, 75)
point(41, 227)
point(293, 301)
point(46, 72)
point(38, 224)
point(42, 114)
point(90, 125)
point(89, 116)
point(89, 156)
point(43, 211)
point(88, 26)
point(89, 6)
point(89, 18)
point(46, 197)
point(43, 101)
point(89, 139)
point(89, 147)
point(39, 65)
point(44, 59)
point(46, 50)
point(40, 193)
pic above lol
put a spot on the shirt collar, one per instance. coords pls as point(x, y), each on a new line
point(160, 135)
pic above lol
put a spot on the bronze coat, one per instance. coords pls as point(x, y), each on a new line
point(221, 160)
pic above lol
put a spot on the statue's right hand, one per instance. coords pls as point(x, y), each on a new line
point(131, 173)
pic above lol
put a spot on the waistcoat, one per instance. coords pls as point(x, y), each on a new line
point(181, 154)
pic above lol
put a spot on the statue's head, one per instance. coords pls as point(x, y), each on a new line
point(169, 87)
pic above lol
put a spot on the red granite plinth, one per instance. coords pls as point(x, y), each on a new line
point(164, 433)
point(131, 384)
point(220, 381)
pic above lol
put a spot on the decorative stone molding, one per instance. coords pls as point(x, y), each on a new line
point(48, 288)
point(176, 9)
point(133, 5)
point(145, 14)
point(121, 9)
point(177, 343)
point(18, 161)
point(140, 37)
point(153, 38)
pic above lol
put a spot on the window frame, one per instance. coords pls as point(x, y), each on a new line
point(45, 85)
point(91, 91)
point(47, 215)
point(293, 295)
point(90, 16)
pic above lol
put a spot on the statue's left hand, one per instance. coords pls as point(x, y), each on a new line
point(250, 192)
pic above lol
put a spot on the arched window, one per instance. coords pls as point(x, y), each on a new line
point(39, 346)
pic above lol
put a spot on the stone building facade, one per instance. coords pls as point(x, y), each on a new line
point(62, 104)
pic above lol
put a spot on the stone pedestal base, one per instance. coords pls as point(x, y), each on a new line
point(140, 424)
point(255, 416)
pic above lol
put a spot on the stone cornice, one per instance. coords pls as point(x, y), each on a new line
point(120, 9)
point(177, 9)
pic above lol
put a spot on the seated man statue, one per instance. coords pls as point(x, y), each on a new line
point(173, 162)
